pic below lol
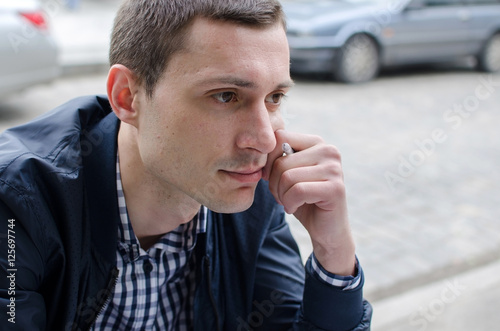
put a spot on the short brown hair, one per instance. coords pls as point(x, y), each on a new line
point(147, 33)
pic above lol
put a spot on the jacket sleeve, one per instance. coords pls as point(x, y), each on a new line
point(23, 308)
point(326, 307)
point(287, 292)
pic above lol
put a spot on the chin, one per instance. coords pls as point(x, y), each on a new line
point(232, 203)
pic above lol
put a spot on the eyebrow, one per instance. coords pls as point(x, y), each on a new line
point(230, 80)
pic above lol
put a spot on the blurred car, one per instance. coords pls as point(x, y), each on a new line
point(28, 53)
point(353, 39)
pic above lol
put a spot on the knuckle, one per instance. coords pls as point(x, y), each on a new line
point(317, 139)
point(337, 188)
point(286, 178)
point(331, 151)
point(334, 169)
point(298, 190)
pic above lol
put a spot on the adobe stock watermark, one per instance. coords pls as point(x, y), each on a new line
point(263, 310)
point(408, 164)
point(436, 307)
point(454, 117)
point(380, 18)
point(384, 16)
point(28, 31)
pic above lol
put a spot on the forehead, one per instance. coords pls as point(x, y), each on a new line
point(246, 53)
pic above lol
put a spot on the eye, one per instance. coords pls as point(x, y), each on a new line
point(225, 97)
point(275, 98)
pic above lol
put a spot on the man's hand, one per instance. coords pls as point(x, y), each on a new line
point(310, 185)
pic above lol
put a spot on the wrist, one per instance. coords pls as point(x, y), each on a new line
point(339, 260)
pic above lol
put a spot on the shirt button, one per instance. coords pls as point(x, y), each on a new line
point(147, 266)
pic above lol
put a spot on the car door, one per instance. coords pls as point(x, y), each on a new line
point(427, 31)
point(484, 22)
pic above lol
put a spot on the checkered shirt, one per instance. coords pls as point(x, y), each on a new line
point(155, 288)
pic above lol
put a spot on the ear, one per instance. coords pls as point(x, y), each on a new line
point(123, 92)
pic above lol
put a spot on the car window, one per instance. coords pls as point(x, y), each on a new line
point(443, 2)
point(483, 2)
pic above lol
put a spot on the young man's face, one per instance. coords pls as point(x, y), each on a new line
point(210, 125)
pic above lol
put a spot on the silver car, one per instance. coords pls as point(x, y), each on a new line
point(28, 53)
point(354, 39)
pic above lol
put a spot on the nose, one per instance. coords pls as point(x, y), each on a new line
point(258, 127)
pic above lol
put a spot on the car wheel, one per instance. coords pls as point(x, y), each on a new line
point(489, 59)
point(357, 60)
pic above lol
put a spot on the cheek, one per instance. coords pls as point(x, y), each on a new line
point(202, 143)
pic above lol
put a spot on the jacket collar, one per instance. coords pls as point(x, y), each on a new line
point(99, 150)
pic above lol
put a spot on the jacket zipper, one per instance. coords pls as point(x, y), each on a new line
point(210, 293)
point(109, 289)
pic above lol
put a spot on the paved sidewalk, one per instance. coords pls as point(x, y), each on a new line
point(442, 220)
point(424, 270)
point(464, 302)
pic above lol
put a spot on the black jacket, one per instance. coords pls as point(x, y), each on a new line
point(58, 199)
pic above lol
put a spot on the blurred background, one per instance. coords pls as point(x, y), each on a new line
point(409, 91)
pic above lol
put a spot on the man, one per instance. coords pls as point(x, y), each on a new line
point(162, 206)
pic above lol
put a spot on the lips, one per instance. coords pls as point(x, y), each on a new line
point(246, 175)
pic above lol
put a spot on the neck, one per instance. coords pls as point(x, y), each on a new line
point(154, 207)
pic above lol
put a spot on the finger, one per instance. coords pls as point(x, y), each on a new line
point(271, 157)
point(325, 158)
point(316, 155)
point(322, 194)
point(315, 173)
point(297, 141)
point(300, 141)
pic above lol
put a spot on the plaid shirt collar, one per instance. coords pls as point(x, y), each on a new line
point(183, 238)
